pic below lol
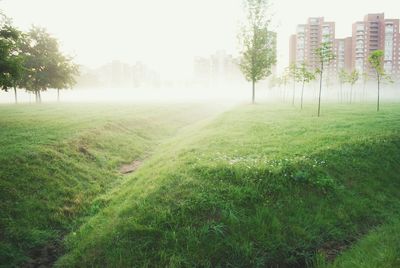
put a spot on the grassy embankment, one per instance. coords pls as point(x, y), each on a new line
point(259, 186)
point(56, 159)
point(380, 248)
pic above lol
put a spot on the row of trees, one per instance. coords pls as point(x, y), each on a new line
point(33, 61)
point(326, 55)
point(350, 78)
point(258, 56)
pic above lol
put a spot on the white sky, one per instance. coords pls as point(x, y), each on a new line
point(168, 34)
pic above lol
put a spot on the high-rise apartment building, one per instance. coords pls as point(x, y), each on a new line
point(308, 38)
point(376, 33)
point(343, 53)
point(367, 37)
point(373, 33)
point(292, 49)
point(298, 45)
point(392, 47)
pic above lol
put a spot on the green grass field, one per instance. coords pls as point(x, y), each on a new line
point(56, 159)
point(379, 248)
point(256, 186)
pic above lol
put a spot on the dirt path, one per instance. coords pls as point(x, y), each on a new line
point(47, 255)
point(129, 168)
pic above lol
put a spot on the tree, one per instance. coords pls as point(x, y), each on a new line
point(376, 62)
point(304, 76)
point(63, 74)
point(293, 74)
point(365, 77)
point(325, 56)
point(273, 82)
point(285, 79)
point(46, 67)
point(352, 78)
point(258, 44)
point(11, 58)
point(342, 80)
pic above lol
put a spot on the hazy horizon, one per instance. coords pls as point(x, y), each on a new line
point(167, 36)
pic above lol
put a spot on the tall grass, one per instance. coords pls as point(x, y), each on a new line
point(258, 186)
point(55, 160)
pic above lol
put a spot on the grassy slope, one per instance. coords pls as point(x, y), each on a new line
point(380, 248)
point(258, 186)
point(55, 159)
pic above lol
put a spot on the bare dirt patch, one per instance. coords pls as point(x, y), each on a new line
point(44, 257)
point(332, 249)
point(129, 168)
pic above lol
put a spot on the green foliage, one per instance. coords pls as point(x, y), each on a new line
point(284, 78)
point(325, 55)
point(64, 72)
point(293, 71)
point(11, 58)
point(258, 186)
point(342, 75)
point(375, 59)
point(353, 77)
point(32, 61)
point(304, 75)
point(56, 161)
point(258, 43)
point(46, 66)
point(365, 77)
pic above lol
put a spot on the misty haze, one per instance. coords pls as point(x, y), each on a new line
point(182, 133)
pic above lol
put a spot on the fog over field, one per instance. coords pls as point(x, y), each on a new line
point(229, 94)
point(188, 133)
point(169, 40)
point(169, 34)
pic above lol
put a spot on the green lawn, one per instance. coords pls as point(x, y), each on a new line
point(380, 248)
point(55, 159)
point(259, 185)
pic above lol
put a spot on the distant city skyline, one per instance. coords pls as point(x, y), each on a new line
point(169, 35)
point(373, 32)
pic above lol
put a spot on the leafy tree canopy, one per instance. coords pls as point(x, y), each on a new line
point(304, 74)
point(258, 52)
point(11, 58)
point(46, 66)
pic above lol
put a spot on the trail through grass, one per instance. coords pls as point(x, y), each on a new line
point(57, 159)
point(258, 186)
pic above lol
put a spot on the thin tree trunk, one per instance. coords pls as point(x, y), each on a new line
point(351, 93)
point(284, 93)
point(302, 93)
point(15, 94)
point(320, 90)
point(365, 91)
point(315, 92)
point(294, 90)
point(377, 107)
point(58, 94)
point(253, 99)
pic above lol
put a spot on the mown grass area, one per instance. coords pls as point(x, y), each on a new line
point(380, 248)
point(258, 186)
point(56, 159)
